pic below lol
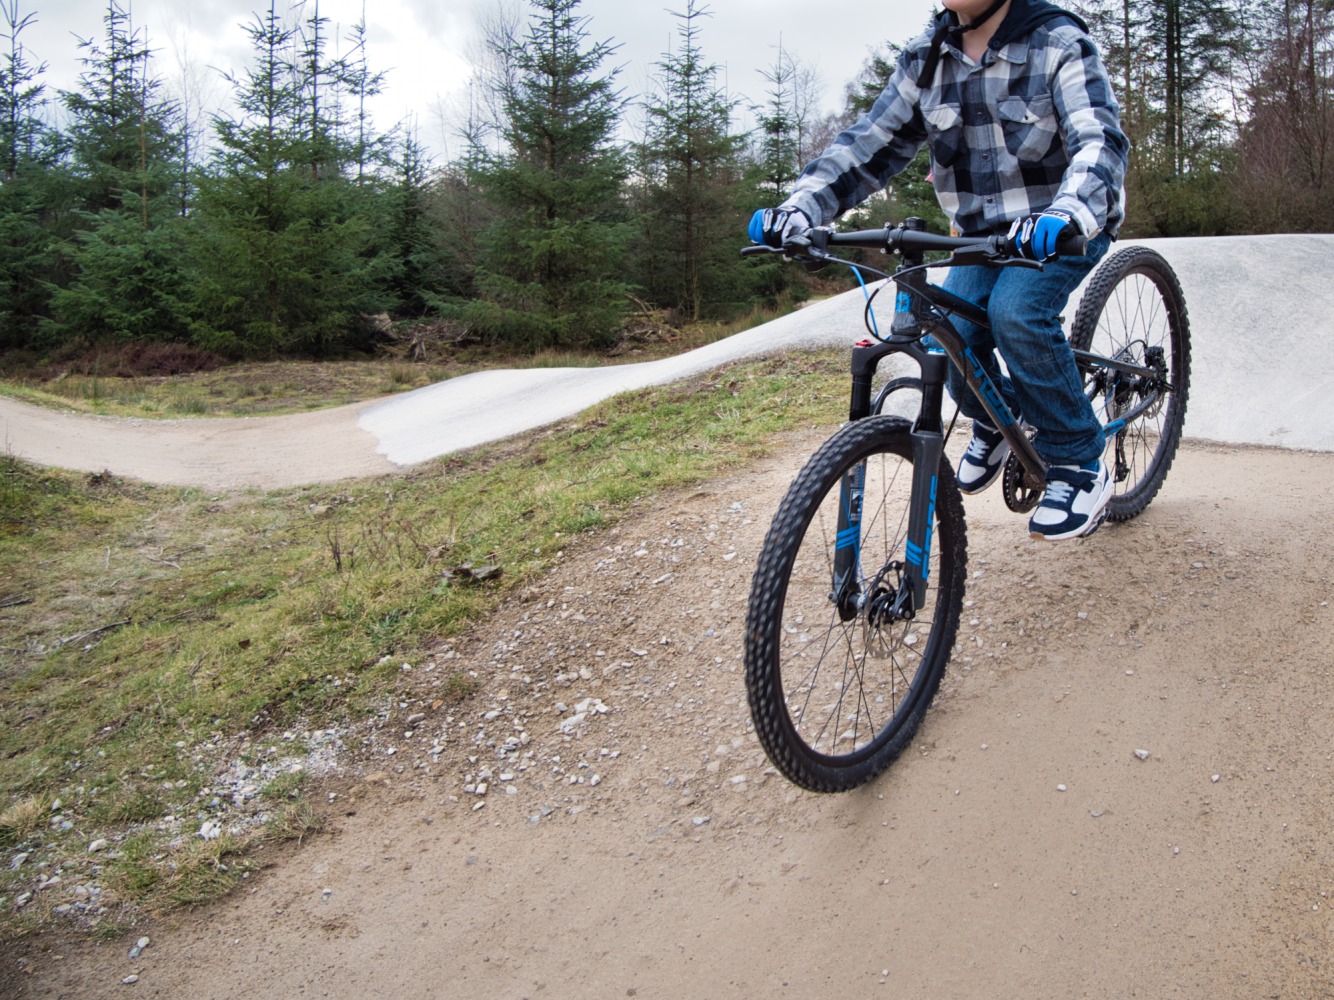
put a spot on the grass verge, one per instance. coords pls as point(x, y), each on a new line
point(155, 638)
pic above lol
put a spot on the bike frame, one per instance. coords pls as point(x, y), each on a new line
point(923, 308)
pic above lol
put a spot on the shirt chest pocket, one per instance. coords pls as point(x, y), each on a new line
point(1029, 125)
point(944, 132)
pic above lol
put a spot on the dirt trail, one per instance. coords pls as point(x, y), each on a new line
point(225, 453)
point(1020, 849)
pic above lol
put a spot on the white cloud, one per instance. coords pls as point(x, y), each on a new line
point(424, 45)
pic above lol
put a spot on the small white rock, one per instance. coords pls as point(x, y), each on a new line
point(1142, 754)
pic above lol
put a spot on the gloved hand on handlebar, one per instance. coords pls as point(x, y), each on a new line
point(775, 227)
point(1036, 236)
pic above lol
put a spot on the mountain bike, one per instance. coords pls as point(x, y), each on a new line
point(859, 585)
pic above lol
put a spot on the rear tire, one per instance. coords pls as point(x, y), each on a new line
point(836, 693)
point(1133, 310)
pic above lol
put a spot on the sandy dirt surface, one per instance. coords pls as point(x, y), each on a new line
point(1021, 848)
point(230, 453)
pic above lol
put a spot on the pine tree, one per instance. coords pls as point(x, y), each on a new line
point(126, 254)
point(360, 83)
point(22, 97)
point(416, 272)
point(283, 258)
point(693, 194)
point(27, 174)
point(550, 273)
point(121, 130)
point(779, 127)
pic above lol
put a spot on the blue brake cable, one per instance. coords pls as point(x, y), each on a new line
point(866, 293)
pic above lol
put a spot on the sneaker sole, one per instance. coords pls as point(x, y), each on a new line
point(1095, 521)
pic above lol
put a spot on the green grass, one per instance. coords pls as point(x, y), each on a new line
point(139, 622)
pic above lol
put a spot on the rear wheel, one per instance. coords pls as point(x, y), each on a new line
point(1133, 311)
point(840, 669)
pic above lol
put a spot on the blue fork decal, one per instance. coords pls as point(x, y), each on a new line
point(920, 555)
point(847, 538)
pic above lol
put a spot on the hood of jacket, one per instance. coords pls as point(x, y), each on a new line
point(1023, 18)
point(1027, 15)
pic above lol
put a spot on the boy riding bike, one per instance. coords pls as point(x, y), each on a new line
point(1017, 111)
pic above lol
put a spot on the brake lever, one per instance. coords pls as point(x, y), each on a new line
point(988, 255)
point(1035, 265)
point(799, 249)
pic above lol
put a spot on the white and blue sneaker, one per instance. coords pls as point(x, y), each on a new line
point(983, 460)
point(1074, 501)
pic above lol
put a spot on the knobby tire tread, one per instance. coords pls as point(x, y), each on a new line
point(855, 442)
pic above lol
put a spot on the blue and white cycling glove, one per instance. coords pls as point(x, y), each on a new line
point(1036, 236)
point(775, 227)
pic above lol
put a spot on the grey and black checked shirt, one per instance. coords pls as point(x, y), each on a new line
point(1034, 126)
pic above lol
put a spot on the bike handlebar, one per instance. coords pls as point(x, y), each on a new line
point(815, 243)
point(904, 239)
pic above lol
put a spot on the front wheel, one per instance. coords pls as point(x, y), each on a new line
point(1133, 311)
point(840, 663)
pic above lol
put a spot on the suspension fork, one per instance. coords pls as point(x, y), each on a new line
point(928, 443)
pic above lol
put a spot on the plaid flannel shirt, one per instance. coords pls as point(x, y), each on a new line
point(1033, 127)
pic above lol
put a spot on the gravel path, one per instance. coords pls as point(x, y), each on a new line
point(1120, 791)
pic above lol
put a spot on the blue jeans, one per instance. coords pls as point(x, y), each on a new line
point(1023, 307)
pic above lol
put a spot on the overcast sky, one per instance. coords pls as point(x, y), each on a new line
point(423, 45)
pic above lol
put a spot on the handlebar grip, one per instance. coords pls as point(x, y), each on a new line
point(1073, 244)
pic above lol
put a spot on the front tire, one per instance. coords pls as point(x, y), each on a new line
point(836, 690)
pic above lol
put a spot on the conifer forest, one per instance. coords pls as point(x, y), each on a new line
point(293, 225)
